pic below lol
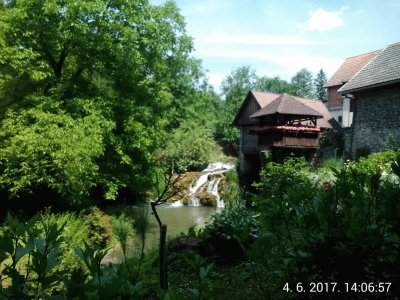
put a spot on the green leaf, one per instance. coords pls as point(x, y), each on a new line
point(22, 251)
point(195, 292)
point(204, 272)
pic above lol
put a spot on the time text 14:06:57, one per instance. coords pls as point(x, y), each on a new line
point(335, 287)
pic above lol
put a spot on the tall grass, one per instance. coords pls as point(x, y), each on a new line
point(122, 228)
point(332, 163)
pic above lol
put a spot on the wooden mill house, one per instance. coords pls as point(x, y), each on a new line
point(280, 125)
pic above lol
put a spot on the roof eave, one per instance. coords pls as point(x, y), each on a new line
point(278, 113)
point(249, 94)
point(368, 87)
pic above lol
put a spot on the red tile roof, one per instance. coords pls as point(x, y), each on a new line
point(264, 98)
point(326, 122)
point(289, 105)
point(350, 67)
point(382, 70)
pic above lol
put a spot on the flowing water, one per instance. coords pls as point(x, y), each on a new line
point(178, 217)
point(208, 182)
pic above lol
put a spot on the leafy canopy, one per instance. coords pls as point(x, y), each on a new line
point(99, 84)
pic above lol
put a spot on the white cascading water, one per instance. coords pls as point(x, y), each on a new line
point(211, 183)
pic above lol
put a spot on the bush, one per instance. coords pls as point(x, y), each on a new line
point(191, 147)
point(31, 254)
point(229, 190)
point(344, 230)
point(75, 233)
point(99, 227)
point(330, 163)
point(122, 232)
point(46, 147)
point(231, 231)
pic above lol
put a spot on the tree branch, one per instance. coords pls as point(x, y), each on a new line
point(56, 65)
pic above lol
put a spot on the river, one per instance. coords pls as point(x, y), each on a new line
point(178, 219)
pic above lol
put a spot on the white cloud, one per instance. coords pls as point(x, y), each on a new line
point(288, 62)
point(215, 79)
point(324, 20)
point(224, 38)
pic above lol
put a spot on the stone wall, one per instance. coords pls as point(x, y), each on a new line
point(347, 132)
point(376, 123)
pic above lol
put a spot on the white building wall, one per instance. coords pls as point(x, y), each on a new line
point(347, 114)
point(337, 113)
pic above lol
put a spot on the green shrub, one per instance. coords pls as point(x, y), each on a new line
point(75, 233)
point(341, 230)
point(191, 147)
point(229, 191)
point(329, 163)
point(99, 227)
point(277, 180)
point(122, 231)
point(30, 254)
point(230, 232)
point(236, 221)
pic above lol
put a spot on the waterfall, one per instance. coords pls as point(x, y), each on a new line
point(209, 183)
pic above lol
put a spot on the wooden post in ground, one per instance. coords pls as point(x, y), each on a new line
point(163, 258)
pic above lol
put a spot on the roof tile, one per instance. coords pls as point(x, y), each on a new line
point(383, 69)
point(350, 67)
point(326, 122)
point(286, 104)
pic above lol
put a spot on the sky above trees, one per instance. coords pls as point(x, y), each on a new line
point(278, 38)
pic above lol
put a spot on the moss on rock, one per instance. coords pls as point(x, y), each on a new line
point(207, 199)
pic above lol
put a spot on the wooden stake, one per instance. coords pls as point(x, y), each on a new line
point(163, 260)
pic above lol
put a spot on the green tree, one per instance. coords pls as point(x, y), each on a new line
point(194, 100)
point(190, 147)
point(47, 147)
point(234, 88)
point(302, 83)
point(106, 72)
point(274, 85)
point(319, 81)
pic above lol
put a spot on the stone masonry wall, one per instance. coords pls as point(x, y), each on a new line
point(376, 122)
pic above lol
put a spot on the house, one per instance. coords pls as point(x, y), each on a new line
point(279, 124)
point(341, 107)
point(375, 92)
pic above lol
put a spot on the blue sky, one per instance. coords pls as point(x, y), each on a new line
point(278, 38)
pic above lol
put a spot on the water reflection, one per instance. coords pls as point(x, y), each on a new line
point(178, 219)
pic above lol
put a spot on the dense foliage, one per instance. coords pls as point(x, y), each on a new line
point(96, 97)
point(344, 230)
point(301, 228)
point(302, 83)
point(89, 93)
